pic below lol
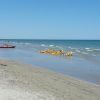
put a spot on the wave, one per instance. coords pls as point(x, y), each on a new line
point(96, 49)
point(81, 52)
point(87, 48)
point(71, 48)
point(51, 45)
point(77, 50)
point(43, 45)
point(93, 50)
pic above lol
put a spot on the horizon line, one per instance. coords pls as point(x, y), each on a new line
point(43, 39)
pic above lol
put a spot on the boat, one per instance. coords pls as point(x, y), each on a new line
point(57, 52)
point(7, 46)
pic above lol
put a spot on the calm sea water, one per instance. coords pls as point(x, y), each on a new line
point(85, 63)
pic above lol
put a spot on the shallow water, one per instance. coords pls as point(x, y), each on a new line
point(85, 64)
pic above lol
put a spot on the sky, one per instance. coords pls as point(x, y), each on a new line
point(49, 19)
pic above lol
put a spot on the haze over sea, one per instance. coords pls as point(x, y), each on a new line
point(84, 64)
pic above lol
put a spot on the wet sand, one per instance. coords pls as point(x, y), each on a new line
point(20, 81)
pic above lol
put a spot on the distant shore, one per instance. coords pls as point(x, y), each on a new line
point(20, 81)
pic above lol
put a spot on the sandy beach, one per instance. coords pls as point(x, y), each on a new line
point(20, 81)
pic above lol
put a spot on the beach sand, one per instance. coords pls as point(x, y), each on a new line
point(20, 81)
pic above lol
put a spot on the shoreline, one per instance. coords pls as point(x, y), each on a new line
point(39, 84)
point(65, 75)
point(41, 68)
point(35, 66)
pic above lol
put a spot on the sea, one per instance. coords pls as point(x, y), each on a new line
point(84, 64)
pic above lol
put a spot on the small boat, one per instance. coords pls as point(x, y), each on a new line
point(7, 46)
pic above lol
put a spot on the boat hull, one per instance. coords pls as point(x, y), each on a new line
point(7, 47)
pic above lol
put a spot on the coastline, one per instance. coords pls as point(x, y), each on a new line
point(20, 81)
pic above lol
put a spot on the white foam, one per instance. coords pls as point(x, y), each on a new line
point(43, 45)
point(71, 47)
point(78, 51)
point(51, 45)
point(87, 48)
point(96, 49)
